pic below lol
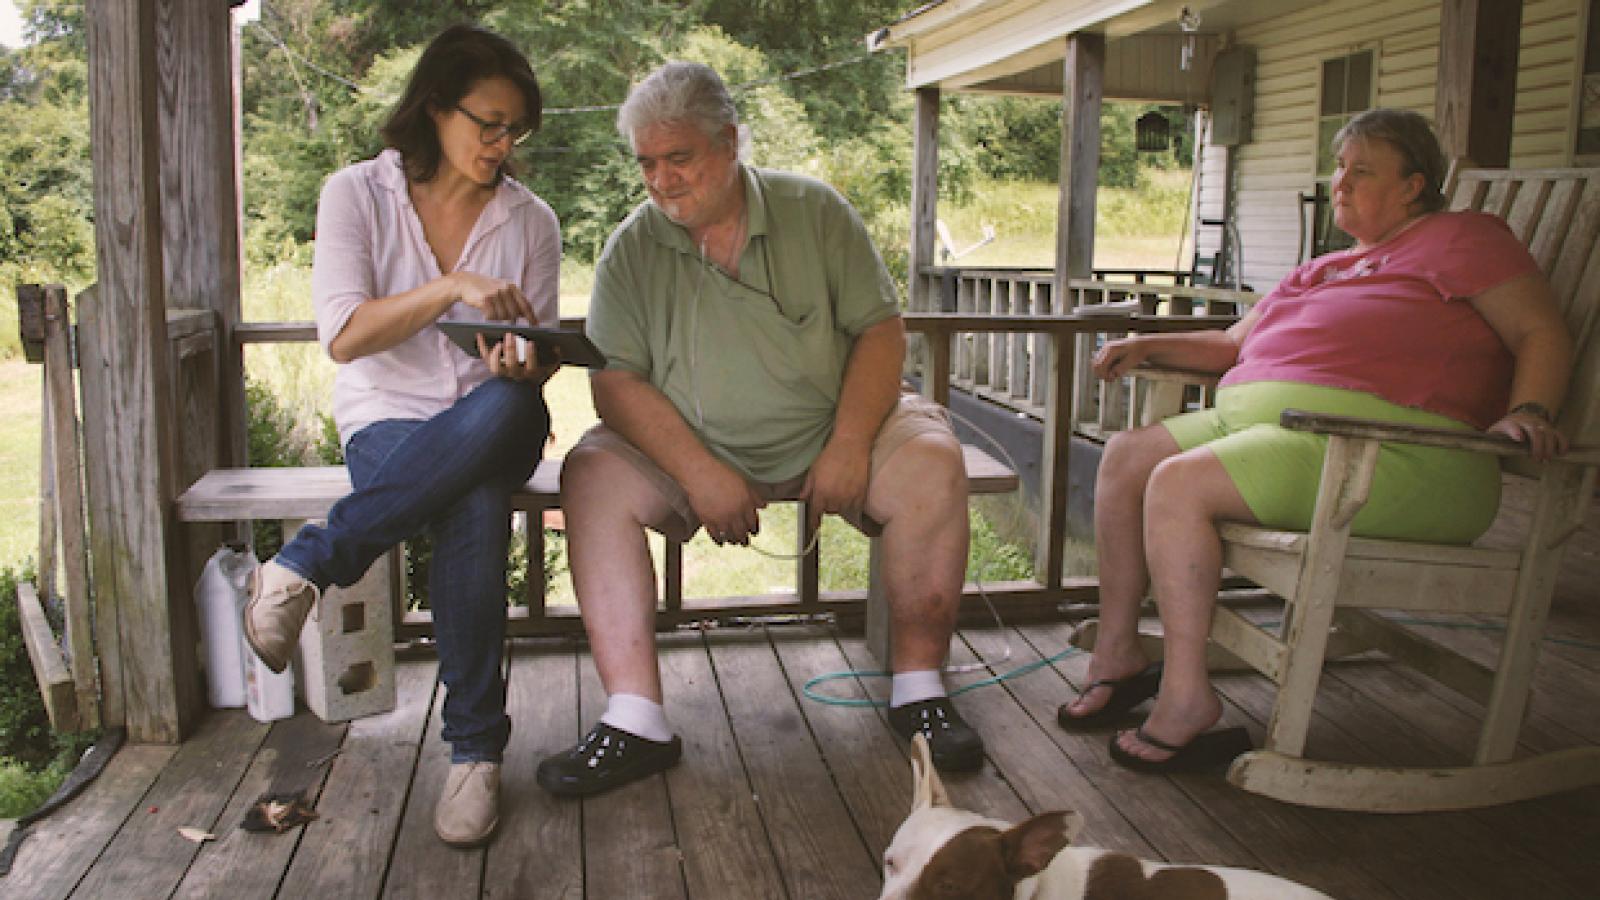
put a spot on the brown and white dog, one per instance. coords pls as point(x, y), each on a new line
point(944, 853)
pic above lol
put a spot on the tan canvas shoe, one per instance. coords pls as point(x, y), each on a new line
point(279, 602)
point(469, 806)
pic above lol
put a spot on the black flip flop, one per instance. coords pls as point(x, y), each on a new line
point(1205, 752)
point(1126, 693)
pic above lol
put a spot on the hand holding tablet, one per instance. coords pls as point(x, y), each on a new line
point(571, 348)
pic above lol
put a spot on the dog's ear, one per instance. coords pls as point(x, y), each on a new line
point(1073, 824)
point(926, 788)
point(1029, 847)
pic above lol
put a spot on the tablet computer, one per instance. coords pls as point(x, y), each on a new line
point(573, 347)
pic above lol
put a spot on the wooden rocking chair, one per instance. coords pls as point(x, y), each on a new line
point(1331, 582)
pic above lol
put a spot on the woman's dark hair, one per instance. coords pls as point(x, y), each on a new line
point(1411, 135)
point(456, 60)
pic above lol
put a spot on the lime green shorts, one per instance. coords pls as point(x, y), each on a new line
point(1418, 493)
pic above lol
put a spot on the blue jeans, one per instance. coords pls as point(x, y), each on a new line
point(452, 474)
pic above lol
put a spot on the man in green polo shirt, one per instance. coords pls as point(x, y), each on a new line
point(754, 348)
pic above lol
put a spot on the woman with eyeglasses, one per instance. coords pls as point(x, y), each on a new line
point(433, 229)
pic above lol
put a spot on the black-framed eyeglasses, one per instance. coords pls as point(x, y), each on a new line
point(492, 132)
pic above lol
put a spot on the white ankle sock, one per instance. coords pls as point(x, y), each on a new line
point(909, 687)
point(638, 715)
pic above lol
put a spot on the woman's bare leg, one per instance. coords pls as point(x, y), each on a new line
point(1187, 496)
point(1119, 501)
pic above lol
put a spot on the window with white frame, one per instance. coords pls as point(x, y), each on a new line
point(1347, 87)
point(1586, 146)
point(1346, 90)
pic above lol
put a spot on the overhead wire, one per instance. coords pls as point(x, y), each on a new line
point(742, 87)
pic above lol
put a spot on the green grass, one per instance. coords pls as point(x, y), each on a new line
point(1133, 227)
point(19, 462)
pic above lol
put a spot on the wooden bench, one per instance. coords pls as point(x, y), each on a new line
point(296, 494)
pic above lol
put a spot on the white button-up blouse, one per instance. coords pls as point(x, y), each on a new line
point(370, 245)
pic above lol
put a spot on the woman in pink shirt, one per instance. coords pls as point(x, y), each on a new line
point(1432, 318)
point(432, 229)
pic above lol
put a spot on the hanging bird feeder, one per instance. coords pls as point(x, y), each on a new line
point(1152, 133)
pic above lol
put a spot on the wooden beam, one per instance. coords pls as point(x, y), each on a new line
point(67, 482)
point(1049, 556)
point(924, 195)
point(30, 321)
point(55, 683)
point(200, 217)
point(1084, 74)
point(130, 452)
point(1478, 45)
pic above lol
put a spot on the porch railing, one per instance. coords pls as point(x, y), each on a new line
point(1047, 342)
point(1009, 367)
point(1044, 343)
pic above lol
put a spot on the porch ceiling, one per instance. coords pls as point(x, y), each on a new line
point(1017, 46)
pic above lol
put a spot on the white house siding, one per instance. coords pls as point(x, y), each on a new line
point(1279, 161)
point(1208, 204)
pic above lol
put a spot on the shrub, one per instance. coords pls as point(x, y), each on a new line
point(24, 725)
point(23, 789)
point(33, 759)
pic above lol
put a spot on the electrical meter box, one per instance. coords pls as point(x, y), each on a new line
point(1233, 92)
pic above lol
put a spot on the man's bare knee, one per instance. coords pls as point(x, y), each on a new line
point(926, 473)
point(595, 478)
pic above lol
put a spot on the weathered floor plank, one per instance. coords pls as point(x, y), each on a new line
point(781, 796)
point(423, 867)
point(1284, 839)
point(192, 791)
point(244, 865)
point(820, 854)
point(726, 849)
point(1563, 844)
point(346, 851)
point(538, 852)
point(60, 849)
point(629, 843)
point(1434, 855)
point(1174, 826)
point(985, 790)
point(1031, 764)
point(867, 763)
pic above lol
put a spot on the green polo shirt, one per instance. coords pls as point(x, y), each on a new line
point(754, 366)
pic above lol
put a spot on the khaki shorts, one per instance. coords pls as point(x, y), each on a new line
point(912, 417)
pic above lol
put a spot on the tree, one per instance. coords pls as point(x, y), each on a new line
point(587, 53)
point(46, 202)
point(1020, 138)
point(856, 98)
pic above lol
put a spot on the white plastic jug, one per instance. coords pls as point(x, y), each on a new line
point(269, 695)
point(220, 595)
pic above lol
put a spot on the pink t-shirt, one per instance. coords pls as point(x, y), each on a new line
point(1393, 320)
point(370, 245)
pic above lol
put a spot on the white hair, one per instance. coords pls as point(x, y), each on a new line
point(687, 92)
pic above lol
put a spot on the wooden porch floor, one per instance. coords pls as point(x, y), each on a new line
point(779, 796)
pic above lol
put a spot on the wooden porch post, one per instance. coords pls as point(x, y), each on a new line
point(1083, 80)
point(200, 248)
point(1080, 157)
point(129, 452)
point(1478, 45)
point(200, 209)
point(924, 196)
